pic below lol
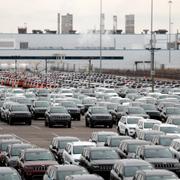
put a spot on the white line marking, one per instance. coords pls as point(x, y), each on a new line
point(54, 134)
point(36, 127)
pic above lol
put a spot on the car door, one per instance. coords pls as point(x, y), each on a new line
point(122, 125)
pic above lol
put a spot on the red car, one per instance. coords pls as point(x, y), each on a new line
point(34, 162)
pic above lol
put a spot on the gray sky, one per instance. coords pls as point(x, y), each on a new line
point(42, 14)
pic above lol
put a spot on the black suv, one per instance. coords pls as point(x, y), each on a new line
point(99, 160)
point(97, 115)
point(57, 115)
point(19, 113)
point(159, 156)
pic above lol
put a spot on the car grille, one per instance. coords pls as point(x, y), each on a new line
point(101, 117)
point(105, 167)
point(40, 168)
point(164, 165)
point(72, 111)
point(60, 117)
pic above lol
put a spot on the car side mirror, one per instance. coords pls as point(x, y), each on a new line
point(87, 158)
point(141, 156)
point(105, 144)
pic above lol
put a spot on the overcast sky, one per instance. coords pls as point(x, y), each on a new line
point(42, 14)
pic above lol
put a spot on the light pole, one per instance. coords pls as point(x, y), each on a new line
point(152, 49)
point(170, 3)
point(100, 32)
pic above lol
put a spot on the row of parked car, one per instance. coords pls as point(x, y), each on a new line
point(106, 155)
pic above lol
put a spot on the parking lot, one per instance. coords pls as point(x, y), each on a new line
point(41, 136)
point(97, 124)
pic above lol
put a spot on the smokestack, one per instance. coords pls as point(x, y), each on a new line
point(103, 22)
point(58, 23)
point(114, 24)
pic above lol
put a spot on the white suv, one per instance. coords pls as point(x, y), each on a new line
point(127, 125)
point(73, 150)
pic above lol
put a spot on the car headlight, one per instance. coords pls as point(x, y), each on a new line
point(95, 166)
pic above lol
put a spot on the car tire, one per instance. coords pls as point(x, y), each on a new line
point(50, 125)
point(91, 124)
point(45, 123)
point(118, 131)
point(79, 118)
point(126, 132)
point(86, 123)
point(29, 122)
point(69, 125)
point(10, 121)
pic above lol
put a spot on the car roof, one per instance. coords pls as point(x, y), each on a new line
point(132, 162)
point(81, 143)
point(135, 141)
point(68, 167)
point(66, 138)
point(86, 176)
point(154, 147)
point(105, 132)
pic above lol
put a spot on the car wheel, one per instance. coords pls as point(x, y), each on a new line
point(118, 131)
point(10, 121)
point(86, 123)
point(69, 125)
point(50, 125)
point(29, 122)
point(79, 118)
point(45, 123)
point(91, 124)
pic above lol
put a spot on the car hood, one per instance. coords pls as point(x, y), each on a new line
point(132, 126)
point(37, 163)
point(20, 112)
point(76, 156)
point(14, 158)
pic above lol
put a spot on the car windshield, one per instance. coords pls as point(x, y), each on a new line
point(130, 171)
point(136, 111)
point(24, 101)
point(58, 110)
point(104, 154)
point(62, 174)
point(157, 153)
point(149, 107)
point(38, 156)
point(148, 125)
point(89, 101)
point(132, 120)
point(115, 142)
point(161, 177)
point(63, 143)
point(173, 111)
point(176, 121)
point(112, 106)
point(132, 148)
point(19, 108)
point(79, 149)
point(150, 136)
point(9, 176)
point(17, 150)
point(41, 104)
point(99, 111)
point(170, 129)
point(165, 141)
point(69, 104)
point(103, 137)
